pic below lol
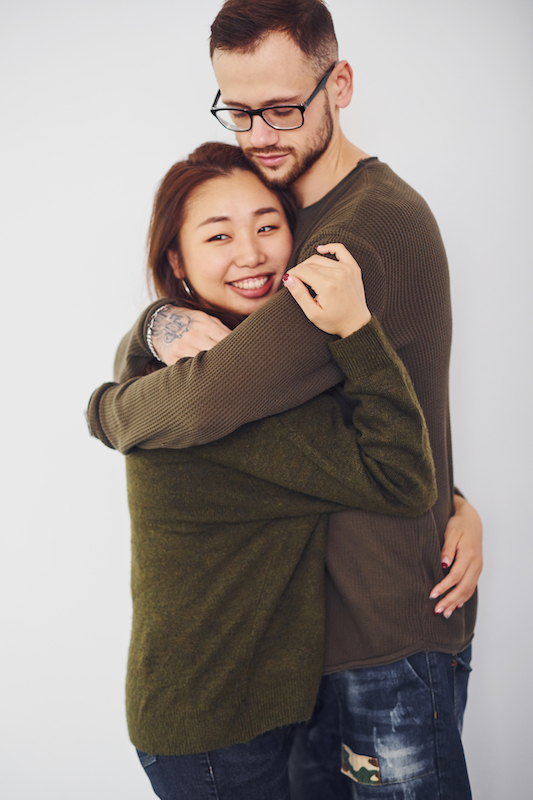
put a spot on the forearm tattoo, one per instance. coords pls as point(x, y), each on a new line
point(170, 325)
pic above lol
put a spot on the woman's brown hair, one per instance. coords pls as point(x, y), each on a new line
point(210, 160)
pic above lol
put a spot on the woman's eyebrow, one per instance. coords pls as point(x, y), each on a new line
point(268, 210)
point(211, 220)
point(258, 213)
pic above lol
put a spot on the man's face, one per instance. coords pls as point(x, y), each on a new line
point(276, 73)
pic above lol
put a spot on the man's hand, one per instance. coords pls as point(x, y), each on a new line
point(182, 332)
point(463, 550)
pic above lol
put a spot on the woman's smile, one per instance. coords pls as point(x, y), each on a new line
point(255, 285)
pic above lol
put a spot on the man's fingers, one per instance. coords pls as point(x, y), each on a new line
point(183, 333)
point(218, 334)
point(203, 325)
point(216, 325)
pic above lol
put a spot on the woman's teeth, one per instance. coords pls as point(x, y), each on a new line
point(251, 283)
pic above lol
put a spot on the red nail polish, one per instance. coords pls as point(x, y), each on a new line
point(444, 565)
point(285, 278)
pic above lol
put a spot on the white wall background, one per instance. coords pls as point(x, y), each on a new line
point(98, 100)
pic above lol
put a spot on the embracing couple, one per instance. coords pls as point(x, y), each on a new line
point(303, 570)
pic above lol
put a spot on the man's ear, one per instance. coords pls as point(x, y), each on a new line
point(174, 263)
point(343, 82)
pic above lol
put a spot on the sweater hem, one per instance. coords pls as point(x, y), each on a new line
point(187, 739)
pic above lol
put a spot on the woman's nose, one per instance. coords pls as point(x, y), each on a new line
point(249, 254)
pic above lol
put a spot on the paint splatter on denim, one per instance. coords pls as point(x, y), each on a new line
point(391, 732)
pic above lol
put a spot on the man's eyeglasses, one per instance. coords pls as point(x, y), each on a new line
point(282, 118)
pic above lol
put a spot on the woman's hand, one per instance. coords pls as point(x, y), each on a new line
point(339, 306)
point(463, 550)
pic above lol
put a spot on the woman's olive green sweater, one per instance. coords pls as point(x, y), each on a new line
point(228, 552)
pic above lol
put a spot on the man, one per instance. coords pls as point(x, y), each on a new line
point(396, 663)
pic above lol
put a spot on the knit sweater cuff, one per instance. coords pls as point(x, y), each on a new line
point(149, 312)
point(364, 352)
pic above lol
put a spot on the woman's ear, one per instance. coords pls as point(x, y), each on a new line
point(175, 264)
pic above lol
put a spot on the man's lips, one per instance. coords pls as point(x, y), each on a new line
point(268, 158)
point(254, 286)
point(273, 160)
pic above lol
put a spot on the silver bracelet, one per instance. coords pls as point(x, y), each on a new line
point(150, 329)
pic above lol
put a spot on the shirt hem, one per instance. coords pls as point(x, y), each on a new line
point(405, 652)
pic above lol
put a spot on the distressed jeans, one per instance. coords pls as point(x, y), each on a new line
point(256, 770)
point(391, 732)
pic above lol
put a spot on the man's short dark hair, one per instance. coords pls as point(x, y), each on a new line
point(241, 25)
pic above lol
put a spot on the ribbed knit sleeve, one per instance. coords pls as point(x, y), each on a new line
point(275, 360)
point(133, 353)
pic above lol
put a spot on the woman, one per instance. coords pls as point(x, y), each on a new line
point(228, 537)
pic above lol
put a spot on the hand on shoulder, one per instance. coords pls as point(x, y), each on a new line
point(183, 332)
point(339, 303)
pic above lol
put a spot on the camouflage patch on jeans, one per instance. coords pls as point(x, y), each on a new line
point(361, 769)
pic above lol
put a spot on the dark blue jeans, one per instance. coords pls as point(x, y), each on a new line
point(256, 770)
point(388, 733)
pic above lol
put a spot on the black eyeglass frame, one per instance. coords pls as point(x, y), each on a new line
point(258, 112)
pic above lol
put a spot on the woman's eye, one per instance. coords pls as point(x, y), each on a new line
point(267, 228)
point(218, 238)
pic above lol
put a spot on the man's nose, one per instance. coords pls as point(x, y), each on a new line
point(261, 134)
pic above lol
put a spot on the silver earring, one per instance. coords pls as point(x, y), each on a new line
point(186, 287)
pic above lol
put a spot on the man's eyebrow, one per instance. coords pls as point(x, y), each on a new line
point(276, 101)
point(258, 213)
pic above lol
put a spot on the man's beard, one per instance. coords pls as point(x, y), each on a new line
point(302, 161)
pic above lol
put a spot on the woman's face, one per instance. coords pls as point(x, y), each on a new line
point(235, 242)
